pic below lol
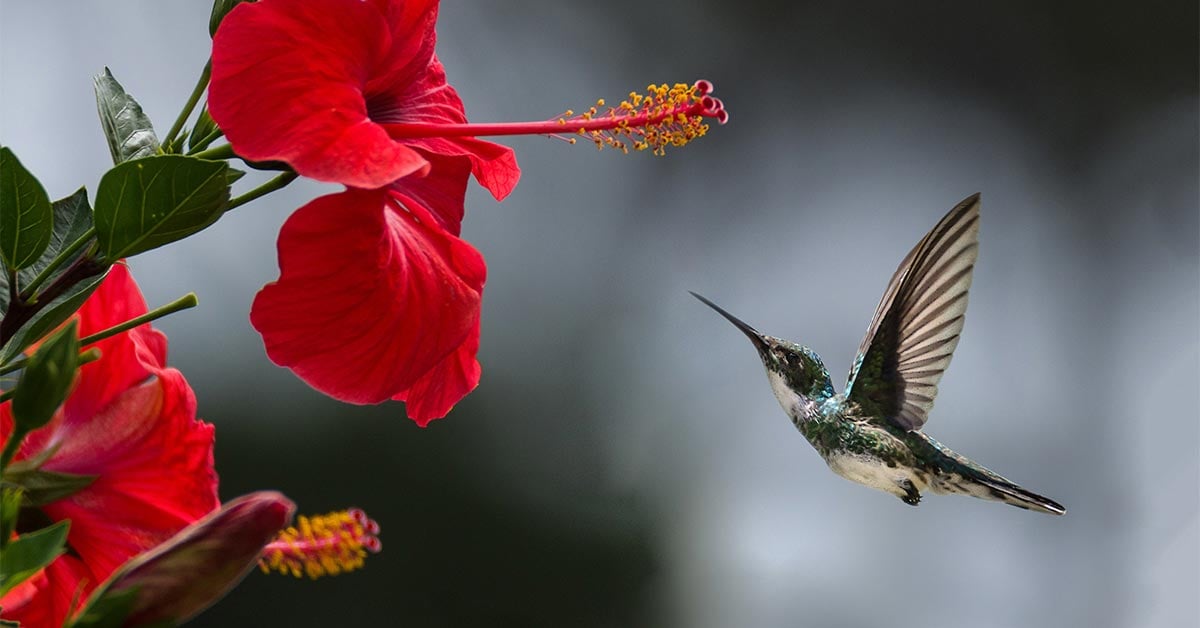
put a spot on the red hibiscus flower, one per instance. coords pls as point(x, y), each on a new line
point(377, 297)
point(309, 82)
point(130, 422)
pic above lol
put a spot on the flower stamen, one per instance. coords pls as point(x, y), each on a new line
point(324, 545)
point(667, 115)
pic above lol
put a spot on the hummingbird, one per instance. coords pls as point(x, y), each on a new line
point(871, 434)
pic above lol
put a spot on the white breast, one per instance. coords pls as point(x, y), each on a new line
point(797, 406)
point(873, 472)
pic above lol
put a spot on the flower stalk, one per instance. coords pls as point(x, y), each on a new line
point(29, 292)
point(190, 105)
point(278, 183)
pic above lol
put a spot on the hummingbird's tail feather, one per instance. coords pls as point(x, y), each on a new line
point(979, 482)
point(958, 474)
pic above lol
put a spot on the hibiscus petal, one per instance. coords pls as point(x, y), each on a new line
point(287, 84)
point(154, 465)
point(428, 98)
point(441, 194)
point(370, 297)
point(411, 23)
point(129, 358)
point(435, 393)
point(494, 165)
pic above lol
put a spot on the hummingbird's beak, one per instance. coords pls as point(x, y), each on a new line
point(759, 342)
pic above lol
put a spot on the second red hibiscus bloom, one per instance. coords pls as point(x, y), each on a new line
point(131, 423)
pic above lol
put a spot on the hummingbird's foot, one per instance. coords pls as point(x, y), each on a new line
point(912, 496)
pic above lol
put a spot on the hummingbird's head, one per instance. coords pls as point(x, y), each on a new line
point(796, 368)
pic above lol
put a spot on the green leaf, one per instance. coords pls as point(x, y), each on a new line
point(10, 506)
point(46, 380)
point(30, 552)
point(72, 219)
point(50, 316)
point(42, 487)
point(4, 623)
point(144, 204)
point(26, 220)
point(128, 130)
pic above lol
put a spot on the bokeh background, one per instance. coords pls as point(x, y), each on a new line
point(623, 462)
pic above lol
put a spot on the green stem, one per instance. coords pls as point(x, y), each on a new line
point(58, 261)
point(224, 151)
point(182, 303)
point(187, 301)
point(203, 143)
point(277, 183)
point(198, 91)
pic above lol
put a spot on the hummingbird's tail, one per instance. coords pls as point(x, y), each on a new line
point(965, 477)
point(995, 488)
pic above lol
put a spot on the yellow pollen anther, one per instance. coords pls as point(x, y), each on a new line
point(324, 545)
point(666, 115)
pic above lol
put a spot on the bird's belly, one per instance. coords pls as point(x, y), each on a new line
point(872, 471)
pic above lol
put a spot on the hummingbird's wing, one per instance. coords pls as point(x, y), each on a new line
point(916, 326)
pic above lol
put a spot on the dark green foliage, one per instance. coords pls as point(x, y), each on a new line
point(45, 381)
point(50, 315)
point(146, 203)
point(72, 219)
point(26, 219)
point(30, 552)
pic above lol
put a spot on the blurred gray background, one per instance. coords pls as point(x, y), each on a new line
point(623, 462)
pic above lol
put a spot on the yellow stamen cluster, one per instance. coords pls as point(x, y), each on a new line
point(664, 116)
point(324, 545)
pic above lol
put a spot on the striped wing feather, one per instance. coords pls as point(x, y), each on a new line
point(917, 324)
